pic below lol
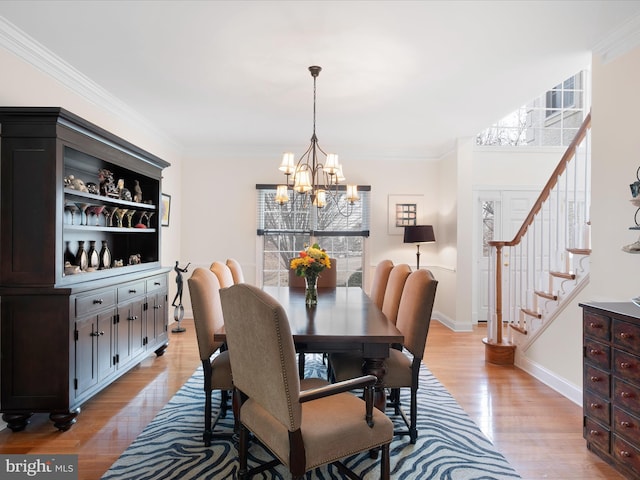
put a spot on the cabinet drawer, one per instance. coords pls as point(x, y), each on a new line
point(130, 290)
point(626, 366)
point(597, 354)
point(626, 454)
point(626, 335)
point(625, 395)
point(597, 407)
point(95, 301)
point(157, 283)
point(597, 380)
point(596, 326)
point(597, 434)
point(626, 425)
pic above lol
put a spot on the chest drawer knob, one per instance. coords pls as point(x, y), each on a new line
point(595, 379)
point(624, 394)
point(625, 365)
point(98, 301)
point(595, 406)
point(624, 424)
point(594, 433)
point(595, 325)
point(625, 335)
point(595, 351)
point(624, 453)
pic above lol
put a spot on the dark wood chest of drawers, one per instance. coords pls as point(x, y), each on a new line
point(611, 383)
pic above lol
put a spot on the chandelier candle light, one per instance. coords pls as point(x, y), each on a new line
point(309, 264)
point(310, 176)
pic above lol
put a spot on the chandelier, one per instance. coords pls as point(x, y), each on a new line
point(309, 175)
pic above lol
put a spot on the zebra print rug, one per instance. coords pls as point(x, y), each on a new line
point(450, 446)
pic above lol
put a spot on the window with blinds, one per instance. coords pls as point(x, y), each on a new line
point(339, 228)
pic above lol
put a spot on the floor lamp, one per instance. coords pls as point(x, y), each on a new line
point(419, 234)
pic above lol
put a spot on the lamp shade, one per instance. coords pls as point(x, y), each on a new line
point(419, 234)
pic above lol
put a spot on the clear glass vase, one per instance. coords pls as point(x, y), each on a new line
point(311, 290)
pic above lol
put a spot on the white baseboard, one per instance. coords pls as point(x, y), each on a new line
point(564, 388)
point(452, 324)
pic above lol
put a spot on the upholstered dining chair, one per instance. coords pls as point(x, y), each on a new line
point(393, 292)
point(402, 370)
point(303, 429)
point(236, 270)
point(223, 272)
point(379, 283)
point(327, 279)
point(204, 289)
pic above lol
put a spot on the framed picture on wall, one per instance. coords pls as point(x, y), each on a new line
point(404, 210)
point(165, 210)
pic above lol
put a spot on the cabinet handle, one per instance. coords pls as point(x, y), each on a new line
point(595, 379)
point(625, 424)
point(595, 406)
point(98, 301)
point(157, 283)
point(625, 335)
point(624, 394)
point(595, 351)
point(624, 453)
point(132, 291)
point(594, 433)
point(625, 365)
point(157, 307)
point(96, 334)
point(132, 317)
point(595, 325)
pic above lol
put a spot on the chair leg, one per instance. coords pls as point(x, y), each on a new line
point(224, 403)
point(413, 429)
point(206, 436)
point(385, 463)
point(242, 452)
point(301, 365)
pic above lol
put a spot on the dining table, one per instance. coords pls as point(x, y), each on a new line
point(344, 320)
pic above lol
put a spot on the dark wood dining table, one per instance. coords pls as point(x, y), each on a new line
point(345, 320)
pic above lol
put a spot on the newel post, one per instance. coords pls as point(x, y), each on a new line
point(497, 351)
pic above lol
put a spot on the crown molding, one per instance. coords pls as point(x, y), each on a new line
point(620, 41)
point(37, 55)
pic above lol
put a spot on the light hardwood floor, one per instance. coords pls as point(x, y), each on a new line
point(538, 430)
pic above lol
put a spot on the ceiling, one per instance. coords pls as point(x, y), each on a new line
point(400, 79)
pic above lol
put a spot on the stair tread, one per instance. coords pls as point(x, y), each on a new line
point(547, 295)
point(567, 275)
point(531, 313)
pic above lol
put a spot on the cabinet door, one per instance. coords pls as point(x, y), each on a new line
point(86, 375)
point(157, 320)
point(130, 328)
point(105, 348)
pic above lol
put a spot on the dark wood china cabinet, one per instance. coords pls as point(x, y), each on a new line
point(71, 324)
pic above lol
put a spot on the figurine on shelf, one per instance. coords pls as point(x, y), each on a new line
point(123, 193)
point(107, 185)
point(75, 183)
point(137, 192)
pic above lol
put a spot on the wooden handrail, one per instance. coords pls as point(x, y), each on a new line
point(551, 183)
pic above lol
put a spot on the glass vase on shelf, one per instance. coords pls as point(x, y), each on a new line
point(105, 256)
point(82, 259)
point(311, 290)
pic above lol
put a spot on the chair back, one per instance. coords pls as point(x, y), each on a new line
point(327, 279)
point(225, 277)
point(416, 306)
point(236, 270)
point(204, 289)
point(393, 292)
point(263, 363)
point(379, 284)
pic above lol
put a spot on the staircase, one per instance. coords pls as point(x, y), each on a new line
point(533, 276)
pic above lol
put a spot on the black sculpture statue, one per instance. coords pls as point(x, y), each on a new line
point(178, 313)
